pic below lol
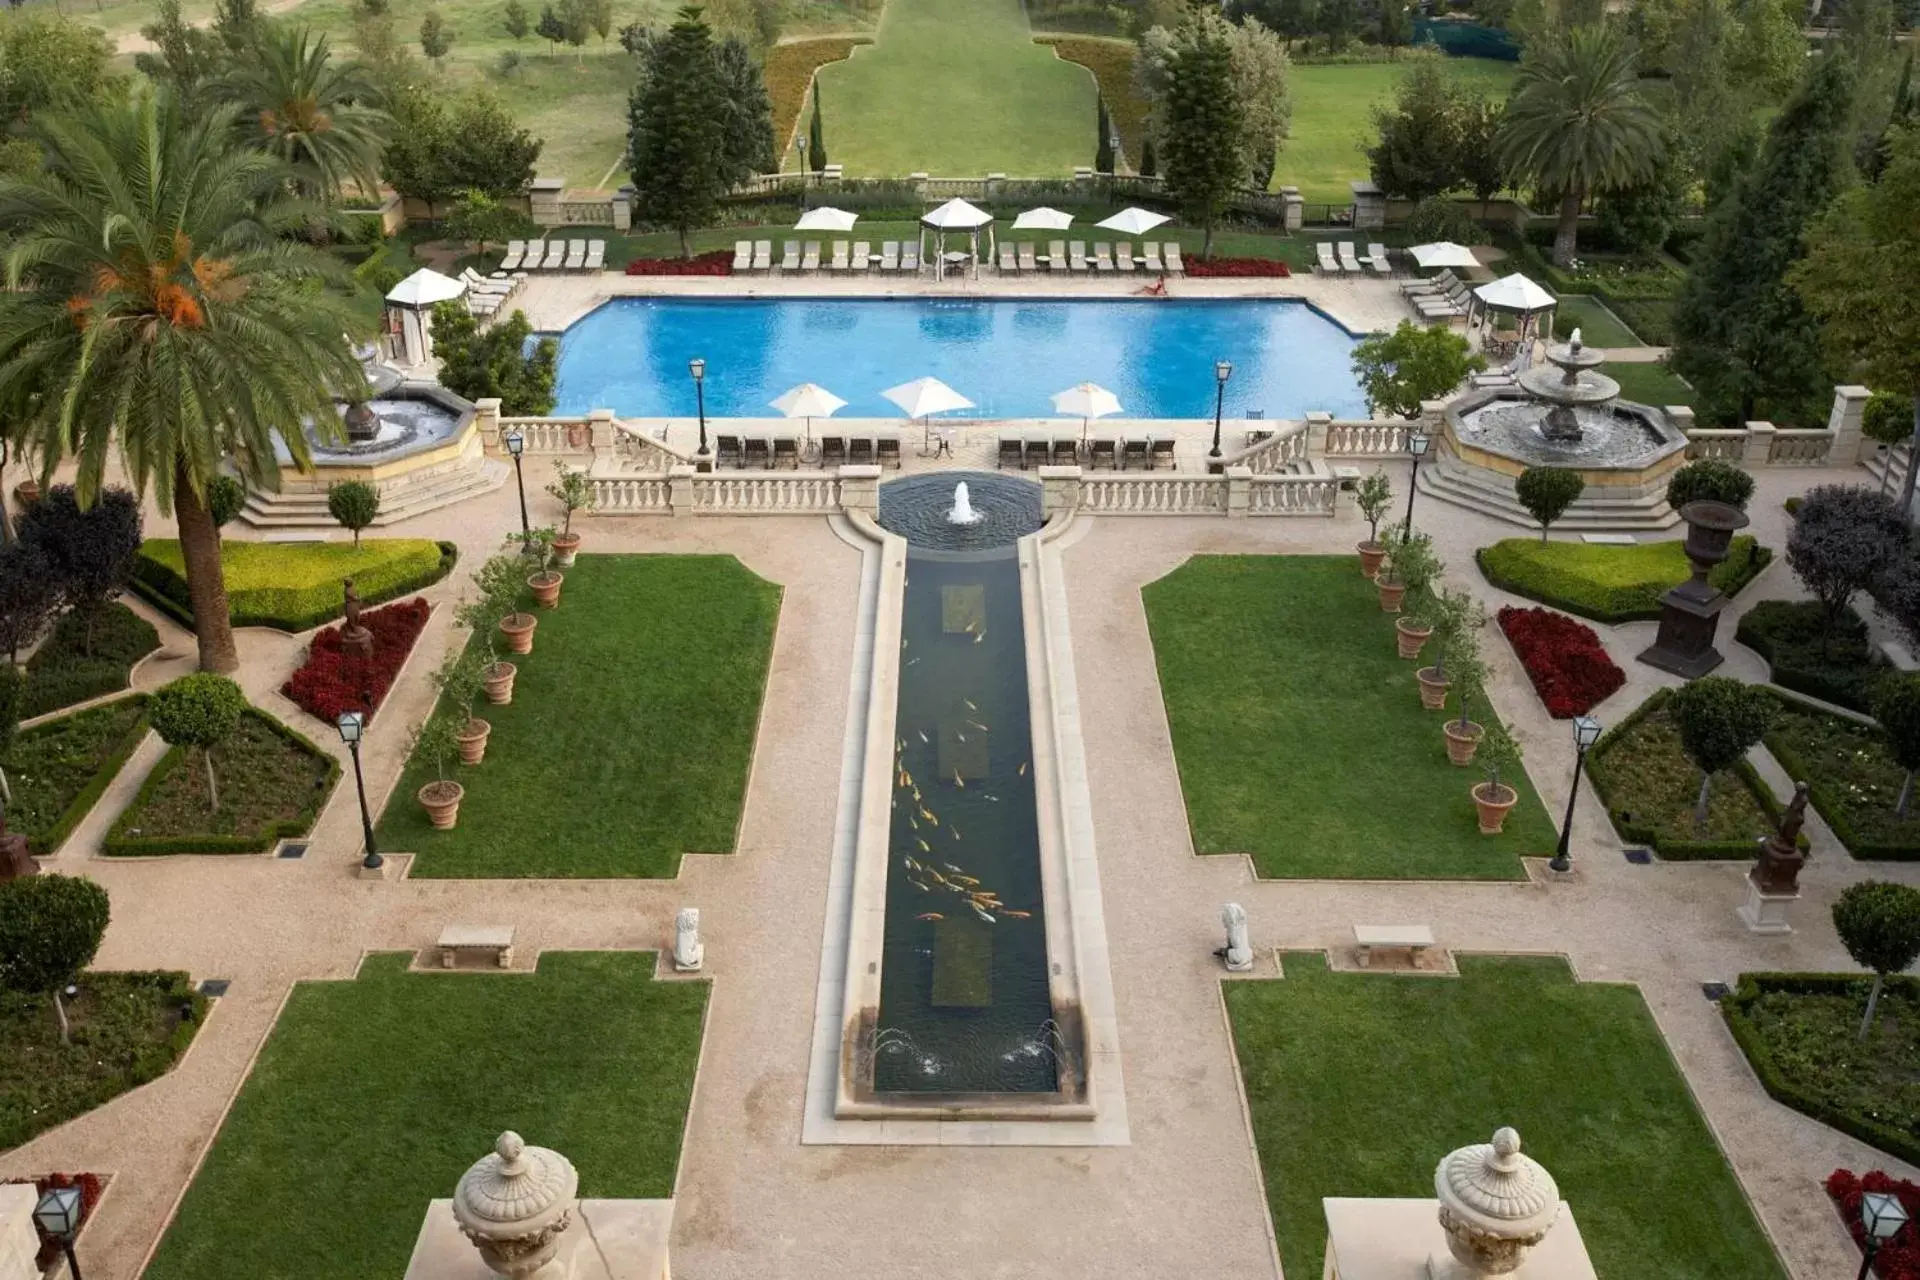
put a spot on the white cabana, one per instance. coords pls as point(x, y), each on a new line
point(955, 215)
point(826, 219)
point(1133, 222)
point(1443, 253)
point(408, 314)
point(1043, 219)
point(1519, 295)
point(808, 400)
point(925, 396)
point(1086, 402)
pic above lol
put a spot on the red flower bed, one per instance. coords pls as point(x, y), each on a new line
point(330, 681)
point(1241, 267)
point(1570, 670)
point(717, 263)
point(1899, 1258)
point(90, 1189)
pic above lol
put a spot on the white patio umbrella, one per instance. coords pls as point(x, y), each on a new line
point(1042, 219)
point(1133, 222)
point(826, 219)
point(956, 215)
point(424, 288)
point(1089, 400)
point(1443, 253)
point(925, 396)
point(809, 400)
point(1518, 294)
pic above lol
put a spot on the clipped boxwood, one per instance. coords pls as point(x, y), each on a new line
point(294, 586)
point(1609, 584)
point(1634, 830)
point(1794, 1088)
point(127, 840)
point(1842, 670)
point(1824, 787)
point(60, 673)
point(46, 839)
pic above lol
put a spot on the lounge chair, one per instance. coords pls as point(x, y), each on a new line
point(786, 452)
point(1326, 265)
point(862, 255)
point(535, 251)
point(1171, 251)
point(860, 452)
point(889, 255)
point(886, 451)
point(790, 255)
point(478, 283)
point(596, 255)
point(743, 255)
point(1101, 454)
point(1077, 255)
point(1009, 259)
point(1162, 448)
point(757, 453)
point(1131, 452)
point(1011, 452)
point(556, 255)
point(576, 255)
point(810, 256)
point(1150, 256)
point(1102, 257)
point(1123, 255)
point(1038, 452)
point(1066, 453)
point(839, 260)
point(516, 250)
point(833, 451)
point(1377, 259)
point(1349, 260)
point(483, 304)
point(1439, 282)
point(763, 255)
point(1028, 262)
point(910, 256)
point(727, 451)
point(1056, 255)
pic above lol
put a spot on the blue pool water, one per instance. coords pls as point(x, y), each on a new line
point(1007, 356)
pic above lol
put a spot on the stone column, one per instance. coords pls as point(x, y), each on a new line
point(1849, 406)
point(680, 489)
point(1319, 426)
point(543, 200)
point(486, 416)
point(860, 490)
point(1369, 205)
point(623, 210)
point(601, 435)
point(1294, 215)
point(1433, 419)
point(1758, 449)
point(1239, 491)
point(1681, 416)
point(1059, 491)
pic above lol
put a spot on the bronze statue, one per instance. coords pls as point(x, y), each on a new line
point(1778, 869)
point(355, 638)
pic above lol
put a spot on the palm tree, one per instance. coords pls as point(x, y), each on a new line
point(1576, 123)
point(317, 116)
point(153, 299)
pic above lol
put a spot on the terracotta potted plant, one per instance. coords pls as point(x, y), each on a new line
point(1452, 614)
point(1410, 567)
point(545, 580)
point(487, 614)
point(1493, 799)
point(1373, 495)
point(460, 680)
point(1468, 674)
point(574, 492)
point(436, 740)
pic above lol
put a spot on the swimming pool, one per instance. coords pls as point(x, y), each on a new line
point(1008, 356)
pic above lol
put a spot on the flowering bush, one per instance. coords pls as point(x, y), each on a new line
point(1899, 1258)
point(331, 681)
point(1570, 670)
point(1243, 267)
point(90, 1188)
point(717, 263)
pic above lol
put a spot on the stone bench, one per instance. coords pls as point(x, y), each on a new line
point(497, 938)
point(1608, 539)
point(1414, 939)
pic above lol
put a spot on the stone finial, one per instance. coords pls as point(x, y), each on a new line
point(688, 951)
point(1237, 954)
point(1495, 1205)
point(514, 1204)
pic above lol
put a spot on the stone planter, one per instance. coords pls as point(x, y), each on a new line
point(518, 629)
point(441, 800)
point(473, 738)
point(1493, 813)
point(498, 678)
point(1433, 688)
point(1462, 743)
point(1411, 636)
point(25, 494)
point(545, 586)
point(565, 547)
point(1391, 594)
point(1372, 554)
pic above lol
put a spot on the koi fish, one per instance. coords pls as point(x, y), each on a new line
point(923, 846)
point(988, 796)
point(913, 821)
point(954, 830)
point(928, 815)
point(983, 915)
point(958, 781)
point(949, 866)
point(969, 881)
point(1023, 768)
point(929, 915)
point(976, 724)
point(961, 736)
point(978, 636)
point(969, 702)
point(911, 661)
point(911, 864)
point(922, 888)
point(922, 733)
point(916, 793)
point(1017, 915)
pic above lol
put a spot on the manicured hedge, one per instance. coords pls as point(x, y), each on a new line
point(295, 586)
point(61, 673)
point(1842, 669)
point(789, 74)
point(1111, 62)
point(1785, 1085)
point(1827, 789)
point(122, 843)
point(1609, 584)
point(49, 839)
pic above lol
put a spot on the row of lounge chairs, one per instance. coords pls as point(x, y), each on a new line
point(1145, 454)
point(1342, 259)
point(757, 255)
point(895, 255)
point(1440, 297)
point(484, 296)
point(1154, 257)
point(554, 255)
point(767, 454)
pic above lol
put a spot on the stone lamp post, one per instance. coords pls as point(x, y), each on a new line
point(1690, 612)
point(514, 1204)
point(1495, 1205)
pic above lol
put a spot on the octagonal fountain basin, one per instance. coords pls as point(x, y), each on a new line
point(401, 420)
point(1612, 444)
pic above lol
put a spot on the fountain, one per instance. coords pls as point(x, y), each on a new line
point(1577, 386)
point(962, 512)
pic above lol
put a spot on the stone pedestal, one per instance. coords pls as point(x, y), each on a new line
point(860, 489)
point(1765, 912)
point(1369, 206)
point(1293, 209)
point(543, 200)
point(614, 1240)
point(16, 859)
point(1402, 1240)
point(1690, 613)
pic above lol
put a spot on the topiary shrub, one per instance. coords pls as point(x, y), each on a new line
point(50, 928)
point(355, 504)
point(1720, 720)
point(1547, 492)
point(1879, 924)
point(198, 711)
point(1887, 418)
point(1709, 480)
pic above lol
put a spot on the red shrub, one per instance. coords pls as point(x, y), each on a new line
point(90, 1189)
point(1570, 670)
point(717, 263)
point(1241, 267)
point(330, 681)
point(1899, 1258)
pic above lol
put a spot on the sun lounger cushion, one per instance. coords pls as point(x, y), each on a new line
point(742, 255)
point(1171, 250)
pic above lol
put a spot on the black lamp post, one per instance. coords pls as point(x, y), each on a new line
point(58, 1215)
point(1418, 442)
point(1222, 370)
point(352, 726)
point(703, 459)
point(517, 445)
point(1882, 1215)
point(1586, 732)
point(804, 176)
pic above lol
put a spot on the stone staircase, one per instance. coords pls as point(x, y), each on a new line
point(401, 498)
point(1447, 479)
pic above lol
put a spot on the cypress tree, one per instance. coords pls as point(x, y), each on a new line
point(1202, 125)
point(816, 138)
point(1103, 149)
point(1149, 163)
point(676, 130)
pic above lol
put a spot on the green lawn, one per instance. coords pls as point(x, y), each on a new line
point(373, 1096)
point(630, 732)
point(957, 88)
point(1299, 734)
point(1649, 383)
point(1360, 1083)
point(1598, 326)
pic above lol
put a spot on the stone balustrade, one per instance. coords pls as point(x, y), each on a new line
point(685, 491)
point(1238, 491)
point(1801, 448)
point(1365, 438)
point(1287, 445)
point(632, 495)
point(1289, 495)
point(1706, 442)
point(1761, 444)
point(798, 493)
point(551, 435)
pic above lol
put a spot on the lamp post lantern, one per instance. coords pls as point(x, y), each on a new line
point(516, 445)
point(1418, 442)
point(698, 368)
point(1222, 370)
point(1882, 1215)
point(58, 1214)
point(353, 726)
point(1586, 732)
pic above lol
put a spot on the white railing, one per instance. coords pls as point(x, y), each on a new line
point(1708, 442)
point(551, 435)
point(635, 448)
point(766, 494)
point(632, 495)
point(1279, 451)
point(1292, 495)
point(1796, 448)
point(1154, 495)
point(1366, 439)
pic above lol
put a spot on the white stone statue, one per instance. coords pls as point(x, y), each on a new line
point(514, 1205)
point(688, 952)
point(1495, 1205)
point(1237, 954)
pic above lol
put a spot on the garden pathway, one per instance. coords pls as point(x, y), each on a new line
point(753, 1203)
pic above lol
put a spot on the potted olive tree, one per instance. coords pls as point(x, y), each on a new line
point(1409, 559)
point(497, 595)
point(1468, 675)
point(1451, 611)
point(1492, 799)
point(1417, 568)
point(437, 740)
point(573, 490)
point(459, 680)
point(1373, 495)
point(544, 581)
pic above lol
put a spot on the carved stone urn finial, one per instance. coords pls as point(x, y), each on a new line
point(1495, 1205)
point(514, 1204)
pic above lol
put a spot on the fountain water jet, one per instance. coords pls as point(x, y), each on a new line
point(962, 511)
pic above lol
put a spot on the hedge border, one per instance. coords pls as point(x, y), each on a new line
point(1671, 850)
point(1797, 679)
point(119, 845)
point(1824, 801)
point(155, 596)
point(125, 682)
point(48, 843)
point(1778, 1084)
point(1763, 556)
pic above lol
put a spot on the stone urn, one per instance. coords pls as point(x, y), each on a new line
point(1690, 613)
point(1495, 1206)
point(514, 1205)
point(363, 424)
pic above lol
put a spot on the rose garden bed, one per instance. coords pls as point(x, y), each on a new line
point(717, 263)
point(331, 680)
point(1564, 659)
point(1899, 1258)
